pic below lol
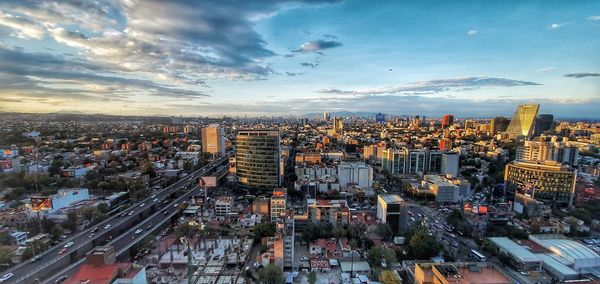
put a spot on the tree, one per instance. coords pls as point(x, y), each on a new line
point(271, 274)
point(454, 217)
point(312, 277)
point(6, 256)
point(5, 239)
point(338, 232)
point(423, 245)
point(264, 230)
point(389, 277)
point(56, 232)
point(186, 230)
point(385, 231)
point(378, 254)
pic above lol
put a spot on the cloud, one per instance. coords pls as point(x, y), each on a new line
point(292, 74)
point(317, 46)
point(24, 28)
point(594, 18)
point(582, 75)
point(472, 32)
point(309, 64)
point(557, 26)
point(44, 75)
point(435, 86)
point(546, 69)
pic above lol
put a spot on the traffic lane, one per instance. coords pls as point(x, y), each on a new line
point(81, 239)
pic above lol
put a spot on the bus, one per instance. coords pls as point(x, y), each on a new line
point(477, 255)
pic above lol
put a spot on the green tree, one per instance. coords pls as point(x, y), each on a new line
point(5, 239)
point(271, 274)
point(6, 256)
point(264, 230)
point(454, 217)
point(389, 277)
point(385, 231)
point(56, 232)
point(378, 254)
point(186, 230)
point(338, 232)
point(423, 245)
point(312, 277)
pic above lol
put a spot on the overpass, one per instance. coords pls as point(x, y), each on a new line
point(51, 262)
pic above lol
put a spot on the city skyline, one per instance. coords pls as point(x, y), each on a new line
point(293, 58)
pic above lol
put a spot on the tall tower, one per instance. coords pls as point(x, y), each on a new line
point(213, 140)
point(326, 116)
point(522, 123)
point(258, 157)
point(338, 124)
point(447, 120)
point(543, 123)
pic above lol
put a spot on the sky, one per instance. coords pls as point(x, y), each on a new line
point(226, 57)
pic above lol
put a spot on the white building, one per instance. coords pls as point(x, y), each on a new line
point(358, 173)
point(19, 237)
point(450, 163)
point(223, 205)
point(447, 188)
point(65, 197)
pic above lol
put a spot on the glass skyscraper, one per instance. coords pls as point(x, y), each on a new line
point(523, 121)
point(258, 157)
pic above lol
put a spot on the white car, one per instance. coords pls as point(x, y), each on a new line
point(155, 199)
point(6, 277)
point(138, 231)
point(142, 205)
point(68, 245)
point(107, 227)
point(304, 258)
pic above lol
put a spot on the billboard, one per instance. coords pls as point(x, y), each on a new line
point(41, 204)
point(208, 181)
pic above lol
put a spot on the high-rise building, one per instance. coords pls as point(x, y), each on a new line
point(447, 120)
point(522, 122)
point(450, 163)
point(326, 116)
point(392, 210)
point(412, 161)
point(258, 157)
point(358, 173)
point(278, 203)
point(380, 117)
point(338, 124)
point(213, 140)
point(543, 123)
point(499, 124)
point(546, 181)
point(445, 144)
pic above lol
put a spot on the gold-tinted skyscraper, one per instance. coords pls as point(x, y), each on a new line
point(522, 122)
point(258, 157)
point(213, 140)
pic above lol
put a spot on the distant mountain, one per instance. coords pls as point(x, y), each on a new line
point(344, 114)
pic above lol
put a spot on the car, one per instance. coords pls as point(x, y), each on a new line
point(165, 212)
point(525, 273)
point(95, 229)
point(68, 245)
point(138, 231)
point(6, 276)
point(165, 201)
point(130, 213)
point(175, 205)
point(36, 258)
point(61, 279)
point(62, 251)
point(153, 196)
point(149, 227)
point(107, 227)
point(304, 258)
point(155, 199)
point(142, 205)
point(91, 235)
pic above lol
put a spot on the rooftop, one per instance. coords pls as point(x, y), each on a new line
point(392, 198)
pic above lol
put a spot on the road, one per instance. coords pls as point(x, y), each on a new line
point(51, 261)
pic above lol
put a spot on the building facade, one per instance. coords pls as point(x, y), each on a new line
point(523, 121)
point(213, 140)
point(391, 210)
point(258, 158)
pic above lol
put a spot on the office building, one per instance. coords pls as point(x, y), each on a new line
point(546, 181)
point(540, 150)
point(450, 163)
point(412, 161)
point(447, 120)
point(338, 125)
point(499, 124)
point(523, 120)
point(213, 140)
point(392, 210)
point(326, 116)
point(446, 189)
point(394, 160)
point(223, 205)
point(278, 203)
point(283, 244)
point(258, 158)
point(380, 117)
point(355, 173)
point(543, 123)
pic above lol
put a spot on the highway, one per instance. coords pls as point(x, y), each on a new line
point(150, 209)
